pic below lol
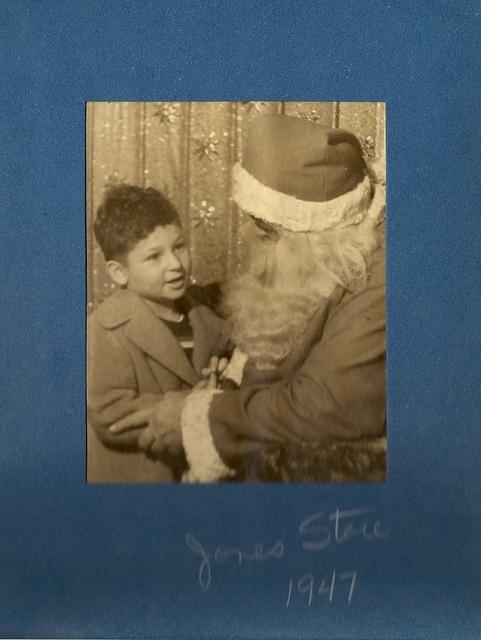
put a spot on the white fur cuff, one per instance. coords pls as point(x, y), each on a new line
point(235, 369)
point(205, 464)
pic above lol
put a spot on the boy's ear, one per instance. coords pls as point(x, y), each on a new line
point(117, 272)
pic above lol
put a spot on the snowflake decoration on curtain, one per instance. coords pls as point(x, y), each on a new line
point(311, 115)
point(205, 216)
point(112, 179)
point(206, 147)
point(368, 146)
point(166, 113)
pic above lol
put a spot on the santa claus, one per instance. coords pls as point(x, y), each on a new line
point(307, 315)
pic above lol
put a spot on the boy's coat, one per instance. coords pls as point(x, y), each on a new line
point(133, 358)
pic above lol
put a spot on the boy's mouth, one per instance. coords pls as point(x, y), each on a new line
point(176, 282)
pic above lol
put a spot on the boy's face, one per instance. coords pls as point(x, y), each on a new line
point(158, 267)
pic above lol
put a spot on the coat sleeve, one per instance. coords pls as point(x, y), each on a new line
point(112, 390)
point(338, 392)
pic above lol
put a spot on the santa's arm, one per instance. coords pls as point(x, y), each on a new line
point(205, 464)
point(338, 393)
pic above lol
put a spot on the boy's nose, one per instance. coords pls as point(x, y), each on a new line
point(174, 262)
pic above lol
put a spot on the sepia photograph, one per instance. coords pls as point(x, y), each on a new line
point(236, 292)
point(240, 328)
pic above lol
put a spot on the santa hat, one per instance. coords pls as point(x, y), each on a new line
point(303, 176)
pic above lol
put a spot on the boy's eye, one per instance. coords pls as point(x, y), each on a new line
point(154, 256)
point(180, 245)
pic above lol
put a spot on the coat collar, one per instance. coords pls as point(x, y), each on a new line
point(145, 328)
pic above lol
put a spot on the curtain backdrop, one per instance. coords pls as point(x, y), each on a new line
point(187, 150)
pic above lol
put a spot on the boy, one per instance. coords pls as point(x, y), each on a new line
point(150, 337)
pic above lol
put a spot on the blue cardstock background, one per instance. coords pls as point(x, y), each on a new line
point(111, 561)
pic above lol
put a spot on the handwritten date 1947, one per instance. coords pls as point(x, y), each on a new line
point(329, 587)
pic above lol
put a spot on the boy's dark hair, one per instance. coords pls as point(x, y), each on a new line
point(129, 214)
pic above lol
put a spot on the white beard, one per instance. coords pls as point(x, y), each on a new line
point(289, 283)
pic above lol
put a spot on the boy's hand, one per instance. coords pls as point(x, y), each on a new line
point(134, 420)
point(212, 373)
point(157, 441)
point(207, 383)
point(216, 366)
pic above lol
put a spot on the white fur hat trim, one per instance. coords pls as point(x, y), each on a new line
point(295, 214)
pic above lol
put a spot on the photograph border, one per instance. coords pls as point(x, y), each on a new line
point(82, 561)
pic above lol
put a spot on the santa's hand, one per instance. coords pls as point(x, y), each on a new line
point(134, 420)
point(163, 436)
point(156, 440)
point(168, 410)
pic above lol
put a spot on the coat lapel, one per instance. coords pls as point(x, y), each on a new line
point(151, 335)
point(208, 335)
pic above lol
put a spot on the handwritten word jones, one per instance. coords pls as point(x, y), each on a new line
point(223, 553)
